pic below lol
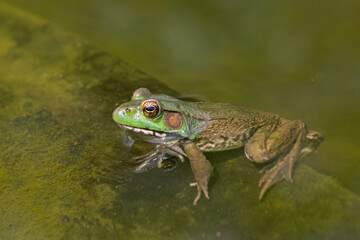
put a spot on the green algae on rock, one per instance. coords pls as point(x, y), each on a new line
point(64, 172)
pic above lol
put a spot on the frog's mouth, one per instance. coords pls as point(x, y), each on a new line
point(144, 131)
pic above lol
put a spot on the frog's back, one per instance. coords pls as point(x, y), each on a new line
point(231, 125)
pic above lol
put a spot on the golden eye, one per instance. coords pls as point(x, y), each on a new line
point(150, 108)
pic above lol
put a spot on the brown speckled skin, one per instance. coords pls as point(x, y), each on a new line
point(231, 126)
point(266, 136)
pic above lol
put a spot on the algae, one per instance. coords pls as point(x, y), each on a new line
point(64, 170)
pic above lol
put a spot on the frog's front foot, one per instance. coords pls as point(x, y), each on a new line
point(155, 158)
point(201, 168)
point(199, 190)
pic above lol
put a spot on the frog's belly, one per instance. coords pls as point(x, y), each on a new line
point(220, 142)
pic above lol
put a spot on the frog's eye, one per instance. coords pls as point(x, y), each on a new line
point(150, 108)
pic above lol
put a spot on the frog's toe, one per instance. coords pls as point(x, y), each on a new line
point(193, 184)
point(282, 170)
point(198, 195)
point(199, 191)
point(314, 135)
point(268, 180)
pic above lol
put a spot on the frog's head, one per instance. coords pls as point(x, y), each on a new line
point(160, 116)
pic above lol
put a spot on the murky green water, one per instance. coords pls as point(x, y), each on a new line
point(63, 167)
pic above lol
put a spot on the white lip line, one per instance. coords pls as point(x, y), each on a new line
point(144, 131)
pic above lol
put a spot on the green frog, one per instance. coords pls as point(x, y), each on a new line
point(187, 129)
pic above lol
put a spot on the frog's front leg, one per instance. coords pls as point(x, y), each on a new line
point(284, 141)
point(200, 166)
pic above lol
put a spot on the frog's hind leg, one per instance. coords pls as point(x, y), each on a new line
point(283, 142)
point(283, 168)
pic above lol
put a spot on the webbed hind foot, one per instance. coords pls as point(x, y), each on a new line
point(282, 169)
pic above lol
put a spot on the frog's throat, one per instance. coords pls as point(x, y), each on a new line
point(144, 131)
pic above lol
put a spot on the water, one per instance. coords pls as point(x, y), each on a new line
point(65, 172)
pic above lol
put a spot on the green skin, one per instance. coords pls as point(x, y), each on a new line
point(202, 126)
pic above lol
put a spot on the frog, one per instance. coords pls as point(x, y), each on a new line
point(188, 129)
